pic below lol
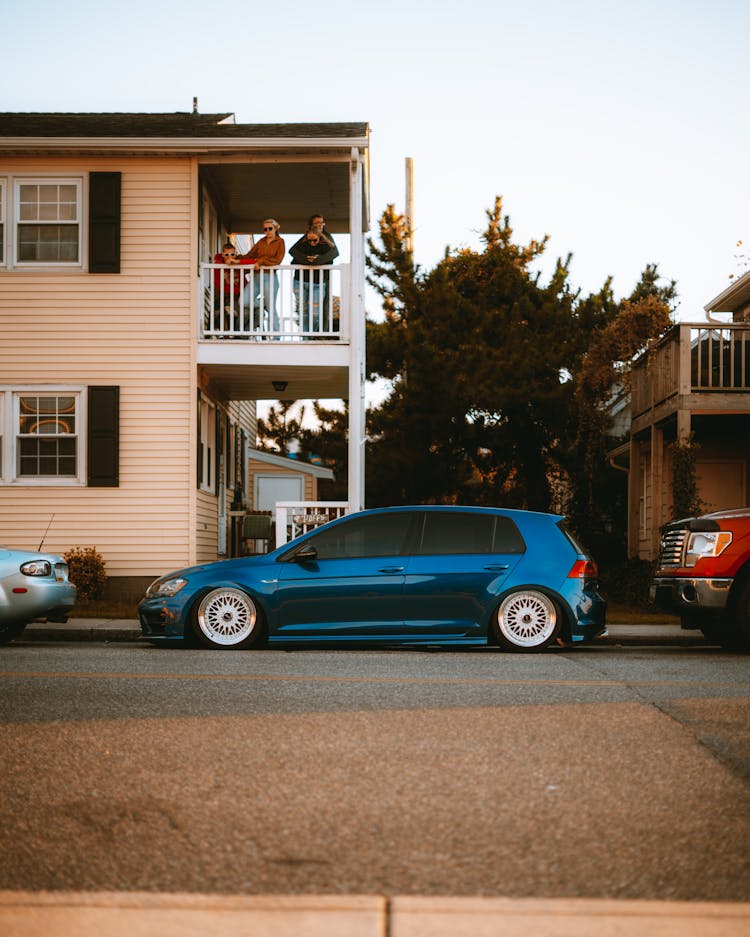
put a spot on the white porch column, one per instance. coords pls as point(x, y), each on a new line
point(356, 480)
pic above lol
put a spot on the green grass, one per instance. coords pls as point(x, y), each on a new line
point(630, 615)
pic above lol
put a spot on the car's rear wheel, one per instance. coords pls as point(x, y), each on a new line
point(526, 621)
point(9, 633)
point(227, 618)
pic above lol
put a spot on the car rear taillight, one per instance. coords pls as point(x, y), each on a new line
point(583, 569)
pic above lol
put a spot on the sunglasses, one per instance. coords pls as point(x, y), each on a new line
point(268, 228)
point(229, 254)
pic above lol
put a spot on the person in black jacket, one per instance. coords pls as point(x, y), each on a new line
point(313, 249)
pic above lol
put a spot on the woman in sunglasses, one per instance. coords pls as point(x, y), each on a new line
point(264, 283)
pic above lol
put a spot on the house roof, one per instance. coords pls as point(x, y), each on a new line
point(294, 465)
point(735, 296)
point(177, 125)
point(255, 171)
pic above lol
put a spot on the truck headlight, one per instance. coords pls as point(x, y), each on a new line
point(704, 543)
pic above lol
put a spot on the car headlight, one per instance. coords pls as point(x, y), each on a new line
point(36, 568)
point(703, 544)
point(166, 586)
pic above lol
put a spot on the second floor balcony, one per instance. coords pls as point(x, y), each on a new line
point(275, 332)
point(281, 304)
point(698, 367)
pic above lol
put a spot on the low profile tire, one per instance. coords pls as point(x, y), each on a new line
point(733, 632)
point(526, 621)
point(226, 619)
point(9, 633)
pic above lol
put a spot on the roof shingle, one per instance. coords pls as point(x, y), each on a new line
point(179, 124)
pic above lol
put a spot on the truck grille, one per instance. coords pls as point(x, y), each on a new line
point(671, 548)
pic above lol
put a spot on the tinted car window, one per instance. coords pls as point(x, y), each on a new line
point(507, 537)
point(451, 532)
point(456, 533)
point(376, 535)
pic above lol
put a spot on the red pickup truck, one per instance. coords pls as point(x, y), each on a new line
point(703, 574)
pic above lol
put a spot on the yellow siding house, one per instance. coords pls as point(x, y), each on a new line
point(131, 359)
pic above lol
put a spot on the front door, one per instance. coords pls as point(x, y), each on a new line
point(354, 586)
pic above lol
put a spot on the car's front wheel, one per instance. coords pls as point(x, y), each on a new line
point(227, 618)
point(733, 631)
point(526, 621)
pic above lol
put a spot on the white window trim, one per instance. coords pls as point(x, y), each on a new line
point(208, 444)
point(9, 395)
point(4, 223)
point(12, 220)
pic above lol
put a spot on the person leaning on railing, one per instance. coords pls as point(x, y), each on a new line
point(268, 251)
point(311, 288)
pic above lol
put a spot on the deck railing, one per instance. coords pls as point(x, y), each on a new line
point(294, 518)
point(274, 303)
point(693, 358)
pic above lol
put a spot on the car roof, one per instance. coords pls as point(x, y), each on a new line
point(477, 509)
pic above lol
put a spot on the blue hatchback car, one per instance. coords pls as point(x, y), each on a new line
point(413, 575)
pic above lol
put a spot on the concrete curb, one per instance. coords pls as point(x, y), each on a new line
point(123, 630)
point(140, 914)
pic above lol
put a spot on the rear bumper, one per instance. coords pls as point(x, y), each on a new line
point(690, 594)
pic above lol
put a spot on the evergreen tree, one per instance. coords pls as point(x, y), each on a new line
point(476, 349)
point(281, 428)
point(328, 442)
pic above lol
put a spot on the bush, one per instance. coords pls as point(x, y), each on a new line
point(87, 570)
point(627, 583)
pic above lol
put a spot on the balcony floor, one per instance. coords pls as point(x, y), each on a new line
point(246, 370)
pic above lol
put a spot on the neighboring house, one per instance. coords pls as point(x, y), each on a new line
point(128, 375)
point(696, 380)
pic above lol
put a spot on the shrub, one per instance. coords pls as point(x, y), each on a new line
point(627, 583)
point(87, 570)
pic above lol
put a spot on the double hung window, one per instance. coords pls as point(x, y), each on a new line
point(48, 221)
point(206, 445)
point(2, 222)
point(41, 436)
point(41, 222)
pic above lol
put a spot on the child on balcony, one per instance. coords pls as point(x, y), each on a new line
point(227, 286)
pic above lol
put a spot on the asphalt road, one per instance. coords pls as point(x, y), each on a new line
point(594, 772)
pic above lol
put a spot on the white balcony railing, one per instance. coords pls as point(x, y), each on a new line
point(276, 303)
point(294, 518)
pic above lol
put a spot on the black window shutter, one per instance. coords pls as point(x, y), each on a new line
point(104, 437)
point(104, 222)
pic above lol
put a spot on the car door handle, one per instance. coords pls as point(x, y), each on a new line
point(498, 567)
point(391, 569)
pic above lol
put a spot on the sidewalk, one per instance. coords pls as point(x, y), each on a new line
point(134, 914)
point(121, 629)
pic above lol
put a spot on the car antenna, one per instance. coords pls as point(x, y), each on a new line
point(39, 550)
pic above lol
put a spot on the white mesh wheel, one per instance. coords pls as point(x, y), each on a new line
point(526, 621)
point(227, 618)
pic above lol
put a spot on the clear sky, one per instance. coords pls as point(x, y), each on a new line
point(618, 128)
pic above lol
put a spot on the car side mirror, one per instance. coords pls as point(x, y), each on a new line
point(305, 554)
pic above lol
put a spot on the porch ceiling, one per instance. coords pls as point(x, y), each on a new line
point(288, 191)
point(238, 382)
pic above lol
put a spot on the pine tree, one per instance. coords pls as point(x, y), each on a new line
point(281, 428)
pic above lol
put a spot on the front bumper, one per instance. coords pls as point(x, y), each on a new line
point(690, 594)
